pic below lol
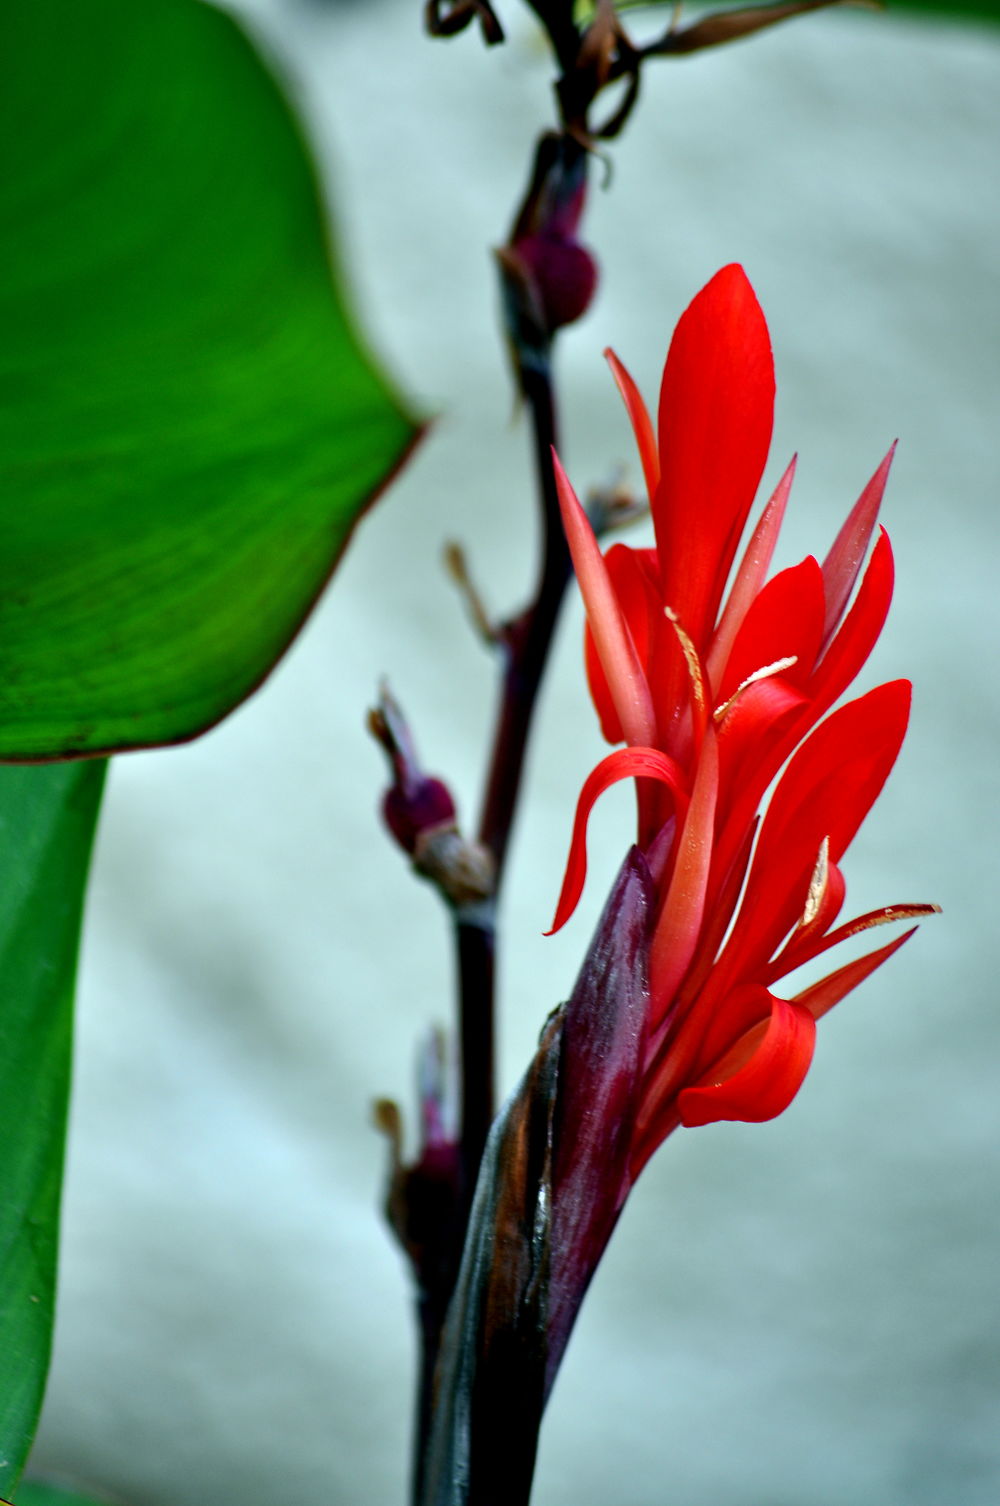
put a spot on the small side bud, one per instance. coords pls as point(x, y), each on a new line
point(422, 1198)
point(410, 814)
point(548, 276)
point(415, 804)
point(420, 813)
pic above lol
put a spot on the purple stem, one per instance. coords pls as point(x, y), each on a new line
point(526, 643)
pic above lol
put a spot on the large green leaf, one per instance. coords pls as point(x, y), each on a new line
point(47, 819)
point(189, 427)
point(37, 1493)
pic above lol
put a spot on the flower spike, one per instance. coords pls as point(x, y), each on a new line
point(720, 700)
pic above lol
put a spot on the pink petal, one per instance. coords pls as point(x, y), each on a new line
point(767, 1080)
point(634, 578)
point(751, 574)
point(676, 934)
point(842, 564)
point(642, 426)
point(625, 763)
point(624, 674)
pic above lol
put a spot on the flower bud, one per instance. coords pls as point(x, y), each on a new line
point(549, 277)
point(415, 804)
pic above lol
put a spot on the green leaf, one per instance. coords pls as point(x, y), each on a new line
point(960, 10)
point(47, 817)
point(36, 1493)
point(190, 428)
point(585, 10)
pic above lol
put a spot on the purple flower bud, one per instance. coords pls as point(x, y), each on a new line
point(416, 804)
point(412, 810)
point(549, 276)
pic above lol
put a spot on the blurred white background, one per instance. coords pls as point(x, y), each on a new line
point(800, 1314)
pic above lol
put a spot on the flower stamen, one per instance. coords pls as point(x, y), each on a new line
point(766, 670)
point(817, 884)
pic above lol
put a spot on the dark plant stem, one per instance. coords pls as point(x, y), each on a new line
point(475, 946)
point(527, 638)
point(525, 643)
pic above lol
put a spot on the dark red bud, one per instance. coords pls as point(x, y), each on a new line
point(558, 272)
point(416, 804)
point(564, 276)
point(412, 811)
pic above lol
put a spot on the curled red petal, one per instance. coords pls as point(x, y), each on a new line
point(625, 763)
point(715, 417)
point(760, 1075)
point(642, 425)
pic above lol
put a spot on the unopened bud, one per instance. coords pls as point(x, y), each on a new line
point(549, 276)
point(420, 813)
point(416, 804)
point(411, 813)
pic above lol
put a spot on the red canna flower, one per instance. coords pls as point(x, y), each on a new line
point(716, 696)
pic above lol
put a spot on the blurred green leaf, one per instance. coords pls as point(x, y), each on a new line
point(47, 817)
point(982, 10)
point(585, 10)
point(35, 1493)
point(190, 428)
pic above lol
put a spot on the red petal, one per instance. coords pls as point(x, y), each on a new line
point(633, 577)
point(849, 649)
point(786, 619)
point(626, 763)
point(676, 934)
point(750, 738)
point(642, 426)
point(841, 566)
point(826, 791)
point(715, 417)
point(822, 996)
point(750, 575)
point(768, 1079)
point(744, 783)
point(807, 941)
point(624, 674)
point(810, 944)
